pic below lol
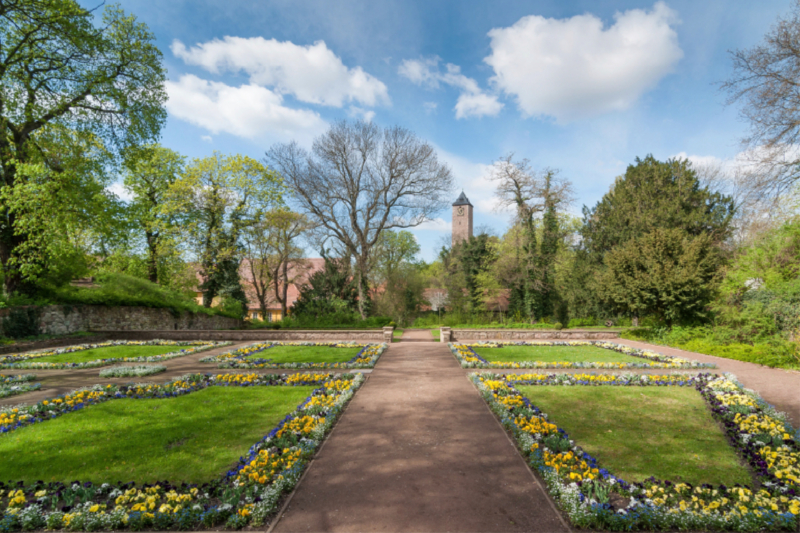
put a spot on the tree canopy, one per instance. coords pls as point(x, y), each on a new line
point(652, 195)
point(73, 96)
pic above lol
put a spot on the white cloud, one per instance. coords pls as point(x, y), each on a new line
point(312, 74)
point(700, 160)
point(437, 224)
point(118, 189)
point(247, 111)
point(477, 105)
point(430, 107)
point(360, 113)
point(472, 102)
point(473, 178)
point(206, 138)
point(573, 68)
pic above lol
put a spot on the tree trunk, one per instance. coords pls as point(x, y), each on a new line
point(152, 259)
point(361, 267)
point(285, 297)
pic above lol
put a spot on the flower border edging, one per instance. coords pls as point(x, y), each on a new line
point(581, 488)
point(236, 359)
point(468, 358)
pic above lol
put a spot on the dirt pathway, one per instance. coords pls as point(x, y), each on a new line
point(416, 335)
point(61, 381)
point(418, 450)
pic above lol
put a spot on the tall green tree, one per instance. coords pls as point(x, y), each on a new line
point(655, 195)
point(397, 276)
point(67, 86)
point(150, 171)
point(218, 197)
point(667, 273)
point(533, 195)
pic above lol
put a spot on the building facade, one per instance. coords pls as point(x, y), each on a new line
point(462, 219)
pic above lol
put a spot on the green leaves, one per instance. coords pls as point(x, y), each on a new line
point(73, 96)
point(666, 272)
point(653, 194)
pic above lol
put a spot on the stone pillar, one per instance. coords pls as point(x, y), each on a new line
point(445, 334)
point(388, 334)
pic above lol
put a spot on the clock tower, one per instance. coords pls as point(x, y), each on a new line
point(462, 219)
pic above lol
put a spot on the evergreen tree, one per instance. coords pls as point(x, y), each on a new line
point(654, 194)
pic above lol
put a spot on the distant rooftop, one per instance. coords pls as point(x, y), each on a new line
point(462, 200)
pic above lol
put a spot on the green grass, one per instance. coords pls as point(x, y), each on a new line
point(306, 354)
point(397, 333)
point(107, 352)
point(555, 353)
point(435, 334)
point(123, 290)
point(192, 438)
point(635, 433)
point(777, 353)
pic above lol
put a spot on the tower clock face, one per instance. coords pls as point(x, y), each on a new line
point(460, 211)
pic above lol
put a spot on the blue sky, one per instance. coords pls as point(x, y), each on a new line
point(581, 86)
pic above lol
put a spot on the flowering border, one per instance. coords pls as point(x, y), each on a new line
point(592, 497)
point(365, 358)
point(27, 360)
point(468, 358)
point(135, 371)
point(249, 493)
point(13, 385)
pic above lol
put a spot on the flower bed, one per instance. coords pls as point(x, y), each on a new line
point(28, 360)
point(468, 358)
point(12, 385)
point(246, 494)
point(365, 358)
point(132, 371)
point(593, 497)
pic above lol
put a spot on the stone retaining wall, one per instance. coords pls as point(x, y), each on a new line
point(255, 335)
point(453, 335)
point(66, 319)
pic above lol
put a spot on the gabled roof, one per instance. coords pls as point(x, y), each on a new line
point(462, 200)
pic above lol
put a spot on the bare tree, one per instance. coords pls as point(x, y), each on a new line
point(533, 192)
point(526, 190)
point(259, 256)
point(766, 81)
point(274, 260)
point(288, 265)
point(360, 180)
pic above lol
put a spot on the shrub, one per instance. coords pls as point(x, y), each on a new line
point(582, 322)
point(22, 322)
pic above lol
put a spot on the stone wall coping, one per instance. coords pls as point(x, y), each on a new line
point(253, 331)
point(543, 330)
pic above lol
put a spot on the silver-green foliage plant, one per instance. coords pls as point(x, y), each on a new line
point(123, 371)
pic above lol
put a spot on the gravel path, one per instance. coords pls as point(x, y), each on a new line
point(418, 450)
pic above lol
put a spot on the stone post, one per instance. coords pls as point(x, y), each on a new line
point(445, 334)
point(388, 334)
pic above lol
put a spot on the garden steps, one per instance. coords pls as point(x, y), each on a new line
point(418, 450)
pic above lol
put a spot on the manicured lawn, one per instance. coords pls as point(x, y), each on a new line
point(397, 333)
point(435, 334)
point(635, 433)
point(555, 353)
point(306, 354)
point(192, 438)
point(109, 352)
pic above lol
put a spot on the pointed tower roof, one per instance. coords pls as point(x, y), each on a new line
point(462, 200)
